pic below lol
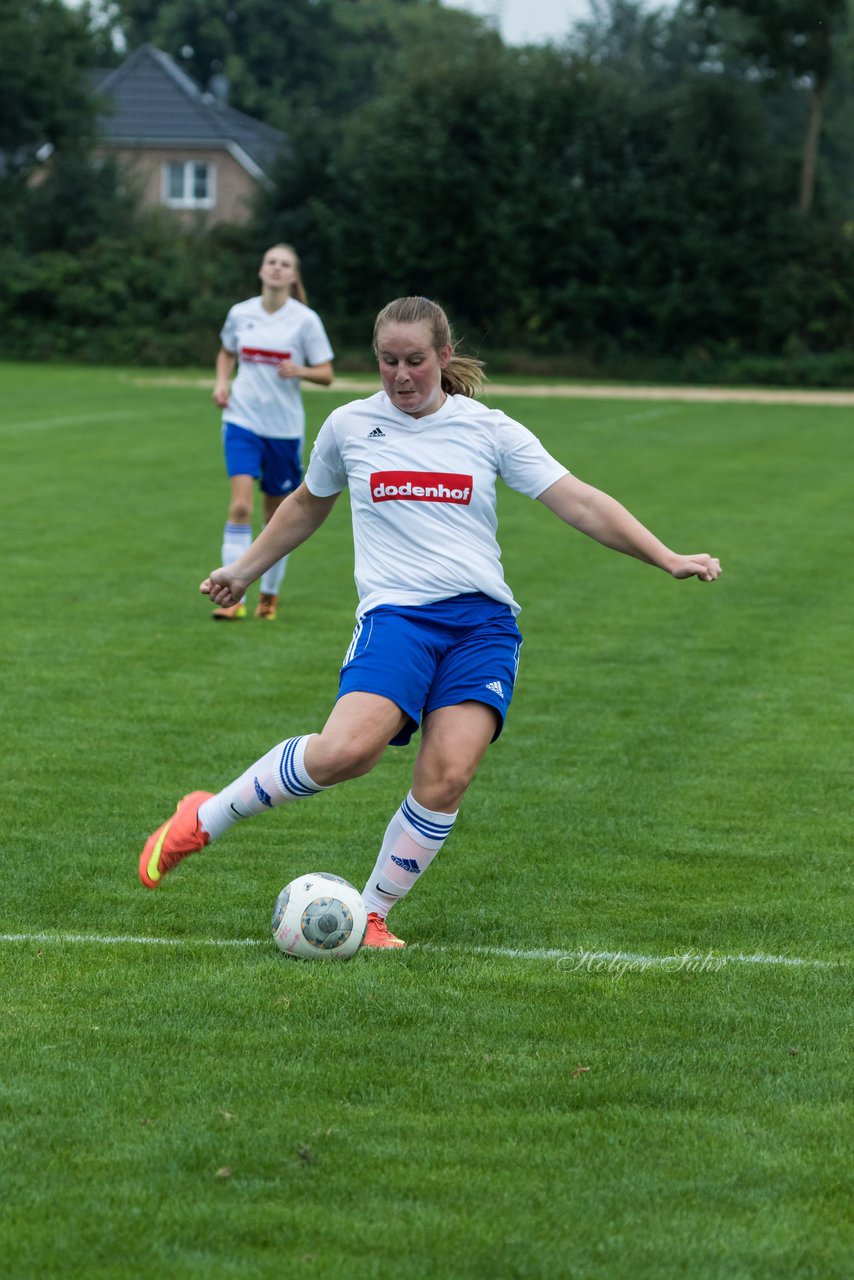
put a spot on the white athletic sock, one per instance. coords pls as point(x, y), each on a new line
point(272, 578)
point(412, 839)
point(277, 778)
point(236, 538)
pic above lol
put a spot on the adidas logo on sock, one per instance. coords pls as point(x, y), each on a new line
point(495, 686)
point(376, 434)
point(408, 864)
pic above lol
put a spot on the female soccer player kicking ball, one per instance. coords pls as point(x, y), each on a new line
point(436, 639)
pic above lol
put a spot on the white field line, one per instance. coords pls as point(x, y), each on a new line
point(69, 420)
point(579, 960)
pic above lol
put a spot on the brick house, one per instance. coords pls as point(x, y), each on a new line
point(185, 148)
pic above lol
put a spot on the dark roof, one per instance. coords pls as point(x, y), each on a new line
point(154, 102)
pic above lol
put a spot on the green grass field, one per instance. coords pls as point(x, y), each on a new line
point(618, 1045)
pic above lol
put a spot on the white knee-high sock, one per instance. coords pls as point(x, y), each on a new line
point(236, 538)
point(277, 778)
point(272, 578)
point(412, 839)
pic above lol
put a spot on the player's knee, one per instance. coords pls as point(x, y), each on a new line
point(449, 784)
point(356, 758)
point(345, 757)
point(240, 511)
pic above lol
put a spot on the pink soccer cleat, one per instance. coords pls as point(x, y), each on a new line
point(377, 934)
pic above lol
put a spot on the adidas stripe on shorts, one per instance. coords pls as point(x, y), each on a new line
point(435, 655)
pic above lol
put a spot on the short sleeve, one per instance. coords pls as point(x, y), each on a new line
point(326, 473)
point(228, 333)
point(315, 341)
point(524, 463)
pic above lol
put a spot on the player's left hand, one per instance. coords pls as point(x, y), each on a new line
point(287, 369)
point(704, 567)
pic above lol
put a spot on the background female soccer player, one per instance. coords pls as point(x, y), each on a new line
point(436, 637)
point(277, 341)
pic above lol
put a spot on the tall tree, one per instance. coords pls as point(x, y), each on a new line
point(420, 190)
point(45, 98)
point(792, 42)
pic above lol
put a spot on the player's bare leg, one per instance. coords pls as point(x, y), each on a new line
point(454, 740)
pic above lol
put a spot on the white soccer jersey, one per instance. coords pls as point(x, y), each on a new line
point(422, 493)
point(260, 400)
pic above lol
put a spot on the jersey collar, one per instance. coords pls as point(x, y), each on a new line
point(418, 424)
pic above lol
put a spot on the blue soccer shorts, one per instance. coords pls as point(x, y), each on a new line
point(277, 464)
point(435, 655)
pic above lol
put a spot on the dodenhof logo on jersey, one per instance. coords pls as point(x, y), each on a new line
point(421, 486)
point(263, 355)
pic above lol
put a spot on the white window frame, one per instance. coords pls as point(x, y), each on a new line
point(187, 200)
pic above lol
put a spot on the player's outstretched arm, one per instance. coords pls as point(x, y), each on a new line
point(294, 521)
point(601, 517)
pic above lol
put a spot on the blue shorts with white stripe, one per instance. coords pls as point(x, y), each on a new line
point(422, 657)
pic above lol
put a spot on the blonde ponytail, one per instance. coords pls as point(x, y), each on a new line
point(463, 375)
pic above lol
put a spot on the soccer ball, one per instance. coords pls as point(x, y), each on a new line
point(319, 917)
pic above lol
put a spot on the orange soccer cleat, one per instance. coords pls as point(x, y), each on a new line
point(229, 613)
point(266, 607)
point(377, 934)
point(180, 835)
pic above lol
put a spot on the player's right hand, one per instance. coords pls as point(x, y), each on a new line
point(705, 567)
point(219, 395)
point(223, 587)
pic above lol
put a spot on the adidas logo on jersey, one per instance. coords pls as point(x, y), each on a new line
point(376, 434)
point(408, 864)
point(495, 686)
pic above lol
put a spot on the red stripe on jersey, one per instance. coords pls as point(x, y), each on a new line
point(261, 355)
point(421, 486)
